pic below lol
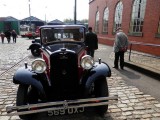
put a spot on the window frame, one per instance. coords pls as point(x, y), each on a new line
point(118, 16)
point(137, 17)
point(105, 20)
point(97, 17)
point(157, 35)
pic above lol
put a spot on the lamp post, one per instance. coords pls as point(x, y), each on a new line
point(75, 12)
point(29, 13)
point(45, 15)
point(3, 6)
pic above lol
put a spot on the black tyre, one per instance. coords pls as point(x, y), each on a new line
point(35, 51)
point(101, 90)
point(26, 96)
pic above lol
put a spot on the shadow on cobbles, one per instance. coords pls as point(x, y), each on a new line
point(129, 74)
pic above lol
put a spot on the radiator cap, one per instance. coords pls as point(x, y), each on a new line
point(63, 49)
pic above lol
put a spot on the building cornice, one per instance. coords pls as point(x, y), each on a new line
point(91, 1)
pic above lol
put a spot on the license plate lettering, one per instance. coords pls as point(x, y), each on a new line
point(65, 111)
point(76, 110)
point(70, 111)
point(62, 111)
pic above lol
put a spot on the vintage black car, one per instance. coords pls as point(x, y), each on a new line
point(65, 80)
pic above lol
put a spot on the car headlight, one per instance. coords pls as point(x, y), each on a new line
point(39, 65)
point(87, 62)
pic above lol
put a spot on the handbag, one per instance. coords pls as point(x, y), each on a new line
point(123, 49)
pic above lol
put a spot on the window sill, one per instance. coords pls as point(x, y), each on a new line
point(104, 33)
point(137, 34)
point(157, 35)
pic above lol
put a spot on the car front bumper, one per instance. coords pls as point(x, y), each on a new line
point(58, 105)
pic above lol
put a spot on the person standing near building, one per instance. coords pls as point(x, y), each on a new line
point(2, 37)
point(8, 35)
point(91, 41)
point(120, 47)
point(14, 36)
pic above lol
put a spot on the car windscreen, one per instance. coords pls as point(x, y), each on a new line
point(60, 34)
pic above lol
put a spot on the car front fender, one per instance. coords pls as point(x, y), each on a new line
point(26, 76)
point(99, 70)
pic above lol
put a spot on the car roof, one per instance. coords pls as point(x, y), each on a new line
point(62, 26)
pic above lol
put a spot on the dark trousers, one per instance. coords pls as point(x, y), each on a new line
point(119, 55)
point(8, 39)
point(14, 39)
point(90, 52)
point(2, 38)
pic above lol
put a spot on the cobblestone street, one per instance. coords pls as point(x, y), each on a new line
point(132, 104)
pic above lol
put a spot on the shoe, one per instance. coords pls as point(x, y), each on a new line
point(115, 67)
point(122, 67)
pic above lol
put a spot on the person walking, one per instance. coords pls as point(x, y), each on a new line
point(14, 36)
point(91, 41)
point(120, 47)
point(2, 37)
point(8, 35)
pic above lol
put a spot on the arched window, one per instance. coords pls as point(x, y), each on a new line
point(105, 20)
point(159, 27)
point(118, 16)
point(138, 12)
point(97, 22)
point(158, 30)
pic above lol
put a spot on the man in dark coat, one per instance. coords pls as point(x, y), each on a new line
point(91, 41)
point(8, 35)
point(14, 35)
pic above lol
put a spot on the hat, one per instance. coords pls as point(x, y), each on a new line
point(89, 28)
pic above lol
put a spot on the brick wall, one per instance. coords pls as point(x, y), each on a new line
point(151, 19)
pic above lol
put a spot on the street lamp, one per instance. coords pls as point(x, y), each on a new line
point(75, 12)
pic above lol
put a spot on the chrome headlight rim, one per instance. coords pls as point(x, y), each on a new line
point(87, 62)
point(39, 66)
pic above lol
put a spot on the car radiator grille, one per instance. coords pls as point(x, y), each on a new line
point(64, 75)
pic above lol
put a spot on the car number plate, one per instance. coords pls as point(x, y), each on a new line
point(66, 111)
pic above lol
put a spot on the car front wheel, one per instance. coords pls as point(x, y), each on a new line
point(101, 90)
point(26, 95)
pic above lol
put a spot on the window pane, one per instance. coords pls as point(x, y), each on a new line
point(97, 22)
point(159, 28)
point(138, 12)
point(105, 20)
point(118, 16)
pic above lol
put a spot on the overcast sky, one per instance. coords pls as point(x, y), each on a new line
point(53, 9)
